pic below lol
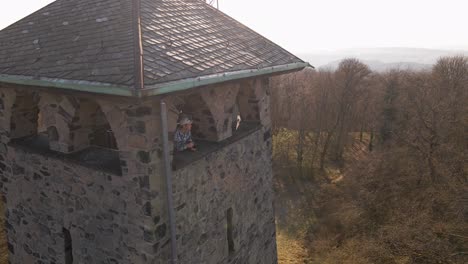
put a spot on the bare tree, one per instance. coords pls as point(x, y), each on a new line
point(351, 77)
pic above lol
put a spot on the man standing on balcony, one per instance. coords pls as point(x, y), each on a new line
point(183, 136)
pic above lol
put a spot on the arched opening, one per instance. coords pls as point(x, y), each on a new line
point(203, 131)
point(26, 123)
point(90, 127)
point(247, 102)
point(92, 139)
point(194, 107)
point(220, 117)
point(246, 111)
point(103, 136)
point(24, 115)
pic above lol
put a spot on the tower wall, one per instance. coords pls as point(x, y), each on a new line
point(45, 194)
point(67, 198)
point(239, 177)
point(100, 202)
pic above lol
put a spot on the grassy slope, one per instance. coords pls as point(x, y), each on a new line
point(292, 217)
point(294, 202)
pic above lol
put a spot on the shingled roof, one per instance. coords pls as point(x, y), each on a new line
point(130, 47)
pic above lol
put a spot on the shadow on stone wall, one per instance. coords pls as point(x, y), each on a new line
point(98, 158)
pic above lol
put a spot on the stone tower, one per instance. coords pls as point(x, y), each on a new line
point(90, 90)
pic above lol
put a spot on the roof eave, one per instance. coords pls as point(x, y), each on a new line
point(151, 90)
point(72, 85)
point(186, 84)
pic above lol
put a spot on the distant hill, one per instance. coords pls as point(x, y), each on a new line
point(381, 59)
point(379, 66)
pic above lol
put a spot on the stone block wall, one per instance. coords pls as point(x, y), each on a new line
point(51, 198)
point(58, 208)
point(101, 211)
point(238, 177)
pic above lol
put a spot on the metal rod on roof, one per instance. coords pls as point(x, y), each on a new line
point(168, 174)
point(138, 46)
point(211, 2)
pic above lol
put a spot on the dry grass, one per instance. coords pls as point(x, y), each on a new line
point(291, 250)
point(293, 216)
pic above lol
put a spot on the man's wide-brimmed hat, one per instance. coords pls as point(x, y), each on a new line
point(185, 121)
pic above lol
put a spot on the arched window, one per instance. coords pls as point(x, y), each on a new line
point(194, 107)
point(91, 136)
point(91, 128)
point(247, 102)
point(24, 120)
point(26, 123)
point(246, 113)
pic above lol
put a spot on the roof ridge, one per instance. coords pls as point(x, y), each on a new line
point(139, 82)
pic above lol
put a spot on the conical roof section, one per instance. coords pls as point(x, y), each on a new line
point(88, 40)
point(184, 39)
point(134, 45)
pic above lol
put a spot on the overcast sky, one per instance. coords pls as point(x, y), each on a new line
point(311, 25)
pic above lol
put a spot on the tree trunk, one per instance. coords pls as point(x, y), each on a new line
point(325, 149)
point(300, 148)
point(371, 141)
point(361, 133)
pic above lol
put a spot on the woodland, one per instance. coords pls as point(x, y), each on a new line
point(372, 167)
